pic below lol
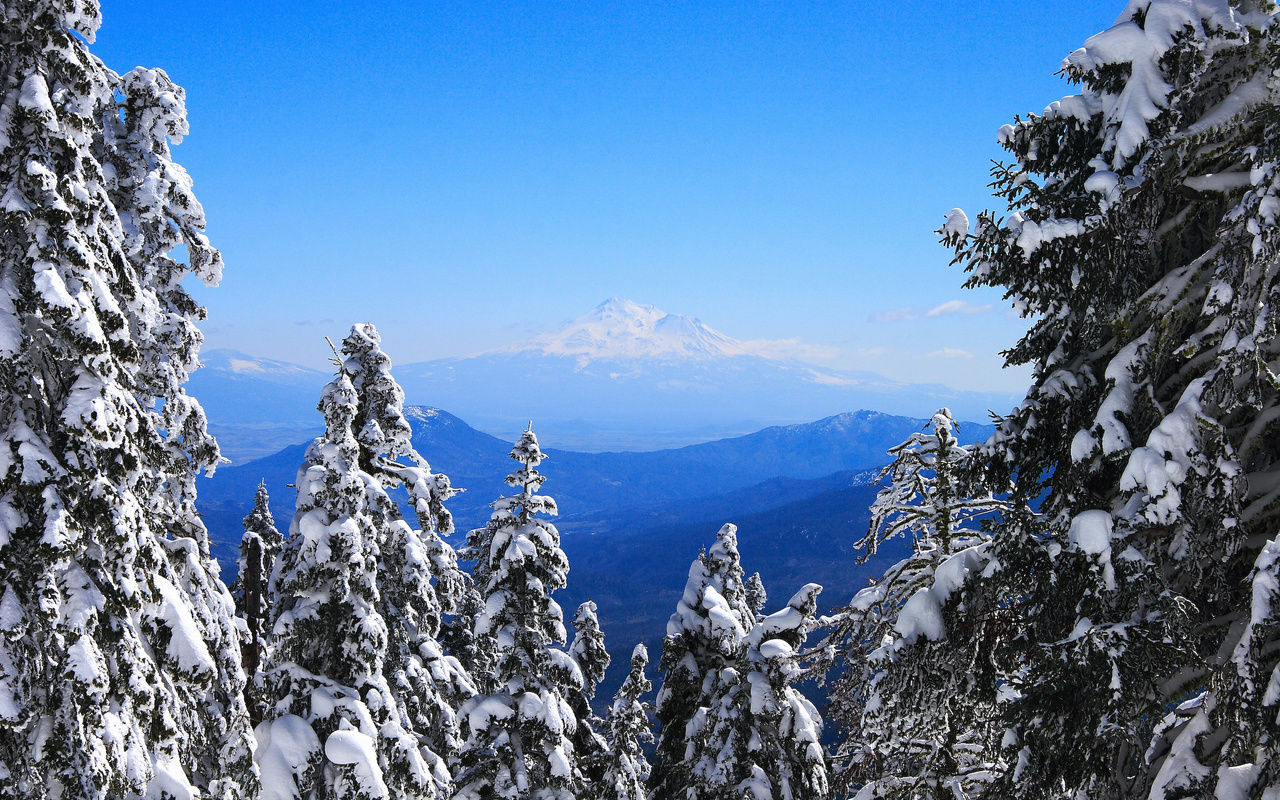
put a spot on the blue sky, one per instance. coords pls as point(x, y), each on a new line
point(464, 175)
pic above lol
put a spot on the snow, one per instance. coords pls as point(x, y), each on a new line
point(186, 646)
point(1161, 465)
point(622, 329)
point(170, 782)
point(1145, 94)
point(285, 746)
point(1091, 532)
point(957, 223)
point(353, 748)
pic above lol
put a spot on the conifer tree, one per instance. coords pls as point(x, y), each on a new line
point(588, 652)
point(704, 635)
point(119, 655)
point(626, 768)
point(1142, 239)
point(758, 737)
point(757, 597)
point(259, 547)
point(355, 609)
point(914, 695)
point(519, 731)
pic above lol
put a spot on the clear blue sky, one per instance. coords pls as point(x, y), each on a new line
point(464, 174)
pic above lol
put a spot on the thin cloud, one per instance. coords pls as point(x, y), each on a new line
point(896, 315)
point(946, 309)
point(949, 352)
point(956, 307)
point(791, 348)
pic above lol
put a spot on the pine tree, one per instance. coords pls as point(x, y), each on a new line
point(519, 729)
point(588, 652)
point(355, 608)
point(259, 547)
point(418, 576)
point(1133, 611)
point(119, 659)
point(626, 769)
point(758, 737)
point(757, 597)
point(704, 635)
point(914, 695)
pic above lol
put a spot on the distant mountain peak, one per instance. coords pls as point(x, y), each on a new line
point(623, 329)
point(243, 364)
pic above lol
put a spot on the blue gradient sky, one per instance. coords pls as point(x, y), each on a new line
point(466, 175)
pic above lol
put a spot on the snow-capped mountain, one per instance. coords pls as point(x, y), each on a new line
point(621, 329)
point(628, 376)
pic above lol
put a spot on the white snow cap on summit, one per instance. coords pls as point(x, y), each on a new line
point(619, 328)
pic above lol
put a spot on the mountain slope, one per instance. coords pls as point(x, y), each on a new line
point(256, 405)
point(599, 484)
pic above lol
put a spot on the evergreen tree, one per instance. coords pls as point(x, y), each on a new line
point(626, 769)
point(355, 610)
point(418, 576)
point(704, 635)
point(259, 547)
point(519, 730)
point(758, 737)
point(119, 656)
point(914, 695)
point(757, 597)
point(1133, 612)
point(588, 652)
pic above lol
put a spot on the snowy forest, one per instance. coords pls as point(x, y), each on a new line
point(1089, 606)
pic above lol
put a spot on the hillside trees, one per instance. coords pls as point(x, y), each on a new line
point(1142, 239)
point(119, 662)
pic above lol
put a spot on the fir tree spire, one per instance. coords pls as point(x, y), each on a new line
point(353, 656)
point(704, 635)
point(119, 659)
point(519, 730)
point(626, 770)
point(259, 547)
point(758, 737)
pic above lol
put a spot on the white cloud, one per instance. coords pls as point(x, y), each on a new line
point(895, 315)
point(956, 307)
point(791, 348)
point(941, 310)
point(949, 352)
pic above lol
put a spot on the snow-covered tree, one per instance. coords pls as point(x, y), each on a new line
point(119, 655)
point(704, 635)
point(1142, 240)
point(588, 652)
point(914, 695)
point(519, 732)
point(418, 576)
point(361, 688)
point(757, 597)
point(626, 770)
point(259, 547)
point(758, 737)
